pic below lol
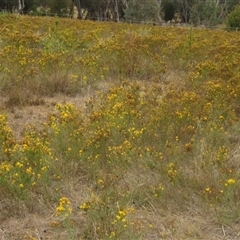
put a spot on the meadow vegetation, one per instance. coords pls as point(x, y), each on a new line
point(154, 154)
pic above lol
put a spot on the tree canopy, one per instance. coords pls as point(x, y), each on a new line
point(198, 12)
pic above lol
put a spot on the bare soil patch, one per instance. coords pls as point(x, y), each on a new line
point(19, 117)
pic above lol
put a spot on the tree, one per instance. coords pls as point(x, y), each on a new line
point(233, 19)
point(76, 3)
point(29, 5)
point(59, 8)
point(209, 12)
point(185, 7)
point(103, 9)
point(116, 12)
point(231, 5)
point(21, 6)
point(159, 2)
point(8, 5)
point(96, 10)
point(142, 10)
point(169, 10)
point(203, 13)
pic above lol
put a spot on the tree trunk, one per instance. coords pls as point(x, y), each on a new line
point(71, 12)
point(125, 4)
point(79, 9)
point(184, 12)
point(159, 2)
point(21, 6)
point(116, 13)
point(223, 12)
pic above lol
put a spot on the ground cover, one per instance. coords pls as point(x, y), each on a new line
point(133, 131)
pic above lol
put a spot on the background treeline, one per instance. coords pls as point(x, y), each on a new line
point(198, 12)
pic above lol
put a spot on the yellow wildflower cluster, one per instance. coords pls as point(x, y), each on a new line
point(121, 216)
point(172, 172)
point(24, 164)
point(85, 206)
point(158, 191)
point(64, 208)
point(230, 182)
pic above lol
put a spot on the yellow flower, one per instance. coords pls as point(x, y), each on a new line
point(231, 181)
point(100, 181)
point(113, 234)
point(208, 189)
point(18, 164)
point(74, 76)
point(122, 213)
point(85, 206)
point(64, 207)
point(29, 170)
point(60, 209)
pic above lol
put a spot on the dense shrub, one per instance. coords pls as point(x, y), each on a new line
point(233, 19)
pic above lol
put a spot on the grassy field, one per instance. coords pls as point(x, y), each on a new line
point(134, 131)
